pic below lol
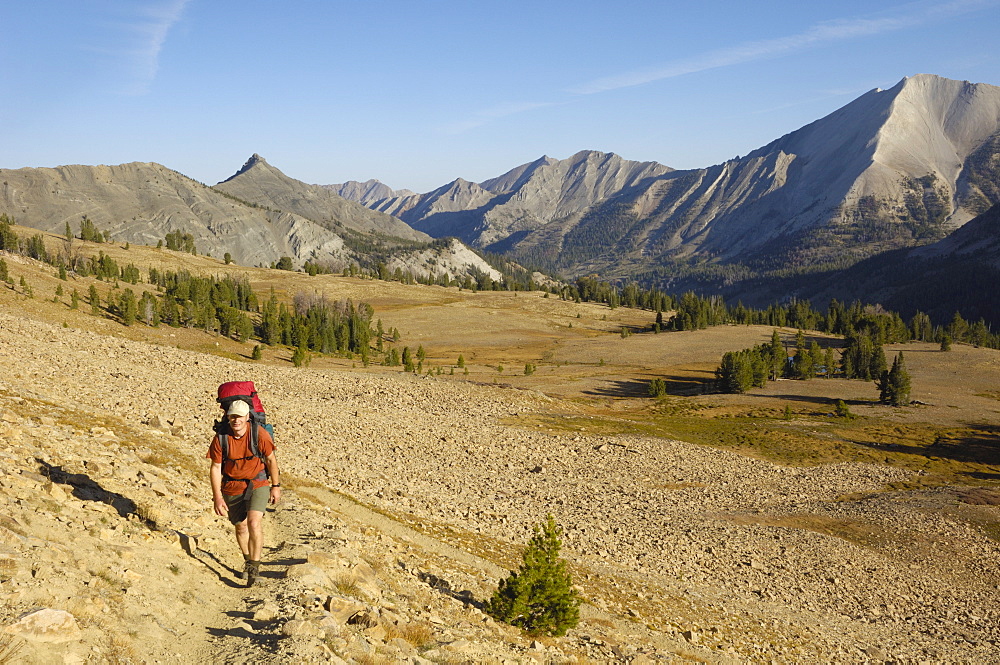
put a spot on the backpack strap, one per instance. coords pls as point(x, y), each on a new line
point(254, 452)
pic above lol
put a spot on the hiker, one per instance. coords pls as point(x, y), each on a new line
point(244, 483)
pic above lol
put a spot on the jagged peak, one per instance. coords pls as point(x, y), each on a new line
point(254, 160)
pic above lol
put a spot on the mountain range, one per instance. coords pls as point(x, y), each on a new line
point(256, 216)
point(893, 169)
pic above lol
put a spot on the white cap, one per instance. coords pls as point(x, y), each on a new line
point(238, 408)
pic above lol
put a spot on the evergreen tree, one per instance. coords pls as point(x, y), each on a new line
point(95, 300)
point(879, 364)
point(128, 307)
point(777, 355)
point(958, 328)
point(828, 362)
point(539, 597)
point(736, 373)
point(894, 385)
point(300, 356)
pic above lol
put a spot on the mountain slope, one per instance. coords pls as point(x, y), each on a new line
point(365, 192)
point(894, 168)
point(520, 201)
point(958, 273)
point(260, 183)
point(143, 202)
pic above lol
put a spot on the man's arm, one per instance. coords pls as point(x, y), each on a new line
point(271, 461)
point(215, 478)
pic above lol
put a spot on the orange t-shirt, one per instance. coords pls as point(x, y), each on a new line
point(241, 469)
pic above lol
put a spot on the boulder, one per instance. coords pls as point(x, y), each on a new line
point(46, 625)
point(309, 574)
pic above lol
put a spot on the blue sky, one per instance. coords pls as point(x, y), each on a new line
point(417, 94)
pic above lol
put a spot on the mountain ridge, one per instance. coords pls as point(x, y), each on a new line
point(256, 216)
point(889, 169)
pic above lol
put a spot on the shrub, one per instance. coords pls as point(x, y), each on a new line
point(540, 597)
point(657, 388)
point(841, 410)
point(300, 356)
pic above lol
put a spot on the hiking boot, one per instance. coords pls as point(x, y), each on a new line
point(253, 572)
point(241, 574)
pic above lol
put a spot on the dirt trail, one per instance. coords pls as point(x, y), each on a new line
point(685, 551)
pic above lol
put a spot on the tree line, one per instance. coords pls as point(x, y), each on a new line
point(862, 358)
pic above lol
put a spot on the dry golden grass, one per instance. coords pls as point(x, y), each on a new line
point(417, 633)
point(150, 513)
point(10, 646)
point(580, 356)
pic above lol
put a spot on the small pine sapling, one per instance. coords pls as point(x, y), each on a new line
point(539, 598)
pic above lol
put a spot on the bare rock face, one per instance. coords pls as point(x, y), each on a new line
point(916, 158)
point(46, 625)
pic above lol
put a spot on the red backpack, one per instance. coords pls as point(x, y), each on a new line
point(242, 390)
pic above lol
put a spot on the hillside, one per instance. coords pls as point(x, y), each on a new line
point(409, 496)
point(257, 216)
point(142, 203)
point(955, 274)
point(894, 168)
point(260, 183)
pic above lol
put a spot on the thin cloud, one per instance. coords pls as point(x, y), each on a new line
point(823, 33)
point(489, 115)
point(148, 32)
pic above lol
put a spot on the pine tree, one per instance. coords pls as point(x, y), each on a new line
point(894, 385)
point(300, 356)
point(778, 355)
point(95, 301)
point(540, 597)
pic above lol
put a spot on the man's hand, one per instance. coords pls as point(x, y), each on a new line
point(275, 495)
point(221, 508)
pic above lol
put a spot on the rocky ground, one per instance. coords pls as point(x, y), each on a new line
point(407, 500)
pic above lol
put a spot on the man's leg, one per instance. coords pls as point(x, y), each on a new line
point(243, 536)
point(255, 534)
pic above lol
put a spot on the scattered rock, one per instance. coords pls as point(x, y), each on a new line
point(46, 625)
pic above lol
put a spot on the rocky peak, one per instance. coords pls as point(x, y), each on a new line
point(254, 160)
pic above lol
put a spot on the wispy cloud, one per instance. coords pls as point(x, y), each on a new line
point(489, 115)
point(908, 16)
point(146, 32)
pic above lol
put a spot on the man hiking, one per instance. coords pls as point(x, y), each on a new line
point(245, 482)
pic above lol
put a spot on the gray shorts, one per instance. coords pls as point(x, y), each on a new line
point(239, 505)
